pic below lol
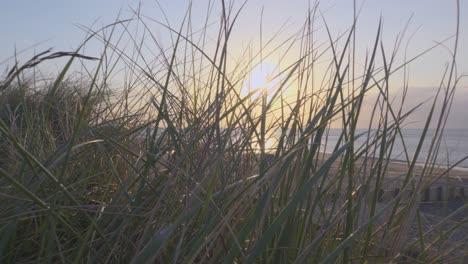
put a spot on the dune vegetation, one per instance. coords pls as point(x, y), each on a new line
point(157, 154)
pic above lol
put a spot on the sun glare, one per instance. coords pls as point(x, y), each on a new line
point(262, 79)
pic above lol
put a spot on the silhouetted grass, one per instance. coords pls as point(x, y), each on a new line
point(173, 166)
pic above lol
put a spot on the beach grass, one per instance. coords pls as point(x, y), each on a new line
point(173, 165)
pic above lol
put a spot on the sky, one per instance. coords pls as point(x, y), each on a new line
point(30, 26)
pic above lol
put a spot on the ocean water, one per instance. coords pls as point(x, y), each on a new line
point(453, 147)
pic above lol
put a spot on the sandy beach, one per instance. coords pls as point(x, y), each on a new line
point(438, 182)
point(444, 193)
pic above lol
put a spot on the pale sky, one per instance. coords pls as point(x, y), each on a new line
point(54, 23)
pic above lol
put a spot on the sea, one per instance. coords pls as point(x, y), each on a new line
point(453, 147)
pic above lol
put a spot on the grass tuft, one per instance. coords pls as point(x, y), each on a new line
point(154, 152)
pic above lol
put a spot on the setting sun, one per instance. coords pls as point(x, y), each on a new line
point(264, 78)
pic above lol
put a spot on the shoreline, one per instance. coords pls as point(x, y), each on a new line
point(437, 182)
point(458, 171)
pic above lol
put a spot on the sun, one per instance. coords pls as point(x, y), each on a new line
point(263, 79)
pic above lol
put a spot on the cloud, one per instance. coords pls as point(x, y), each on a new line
point(458, 118)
